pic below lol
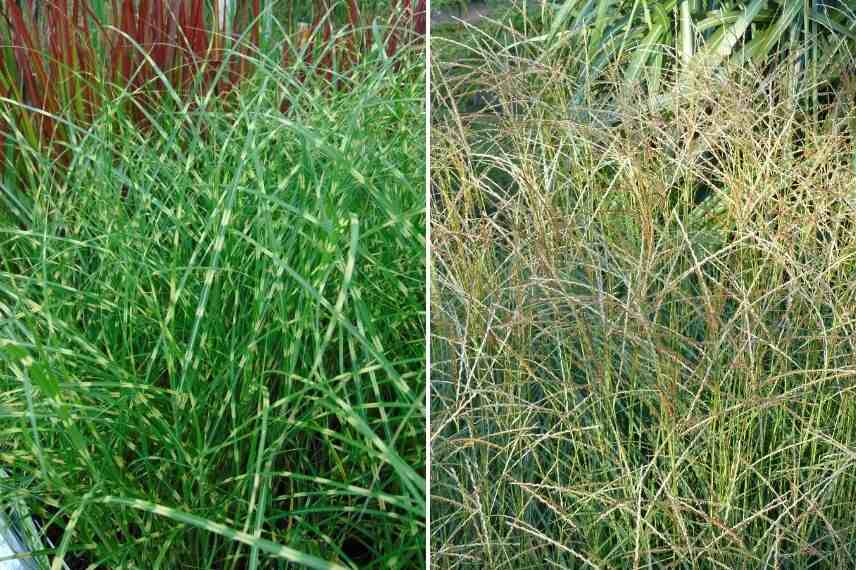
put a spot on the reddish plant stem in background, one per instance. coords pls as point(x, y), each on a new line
point(51, 67)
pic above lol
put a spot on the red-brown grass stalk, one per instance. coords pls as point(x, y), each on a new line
point(50, 66)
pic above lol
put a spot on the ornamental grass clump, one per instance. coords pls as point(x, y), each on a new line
point(643, 320)
point(212, 327)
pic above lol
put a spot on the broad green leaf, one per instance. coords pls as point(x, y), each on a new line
point(761, 45)
point(716, 19)
point(647, 48)
point(559, 22)
point(725, 40)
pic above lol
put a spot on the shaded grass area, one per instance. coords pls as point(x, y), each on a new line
point(643, 320)
point(212, 331)
point(447, 15)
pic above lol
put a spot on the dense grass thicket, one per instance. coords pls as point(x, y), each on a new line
point(212, 327)
point(644, 313)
